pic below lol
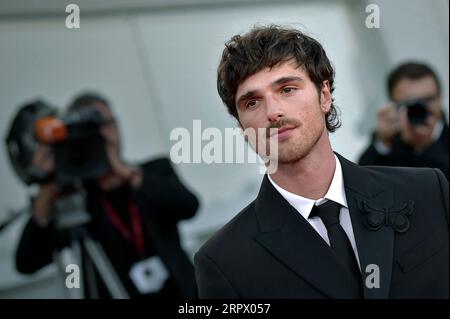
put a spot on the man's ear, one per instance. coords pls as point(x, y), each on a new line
point(325, 97)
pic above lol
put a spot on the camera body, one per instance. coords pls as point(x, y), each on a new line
point(78, 147)
point(416, 110)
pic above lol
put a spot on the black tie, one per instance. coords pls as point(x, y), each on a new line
point(339, 242)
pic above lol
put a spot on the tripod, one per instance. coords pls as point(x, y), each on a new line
point(85, 253)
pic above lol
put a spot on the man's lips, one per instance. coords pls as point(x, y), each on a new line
point(281, 130)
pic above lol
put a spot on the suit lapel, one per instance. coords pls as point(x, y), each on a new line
point(374, 247)
point(293, 241)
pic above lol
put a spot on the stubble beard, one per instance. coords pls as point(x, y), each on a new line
point(298, 146)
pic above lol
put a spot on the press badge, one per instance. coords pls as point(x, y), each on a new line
point(149, 275)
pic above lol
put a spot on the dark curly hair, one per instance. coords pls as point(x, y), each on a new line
point(267, 46)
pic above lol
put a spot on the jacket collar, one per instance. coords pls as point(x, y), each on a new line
point(291, 239)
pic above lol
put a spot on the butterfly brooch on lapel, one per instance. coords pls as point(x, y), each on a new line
point(396, 217)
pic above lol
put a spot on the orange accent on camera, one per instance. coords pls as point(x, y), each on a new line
point(51, 130)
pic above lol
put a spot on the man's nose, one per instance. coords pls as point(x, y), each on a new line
point(274, 110)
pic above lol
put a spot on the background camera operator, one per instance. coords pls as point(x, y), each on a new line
point(133, 215)
point(411, 130)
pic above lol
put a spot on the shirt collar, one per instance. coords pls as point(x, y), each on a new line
point(336, 193)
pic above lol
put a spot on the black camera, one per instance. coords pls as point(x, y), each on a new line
point(416, 109)
point(77, 146)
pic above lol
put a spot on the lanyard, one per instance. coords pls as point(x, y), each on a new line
point(135, 235)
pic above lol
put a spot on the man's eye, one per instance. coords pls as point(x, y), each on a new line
point(251, 103)
point(287, 89)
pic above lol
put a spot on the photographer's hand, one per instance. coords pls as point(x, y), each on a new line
point(43, 159)
point(43, 202)
point(387, 124)
point(121, 173)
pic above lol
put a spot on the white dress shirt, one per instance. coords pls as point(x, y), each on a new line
point(336, 193)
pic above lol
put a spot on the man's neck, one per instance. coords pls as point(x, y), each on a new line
point(311, 176)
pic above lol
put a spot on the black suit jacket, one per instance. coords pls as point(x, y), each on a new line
point(270, 251)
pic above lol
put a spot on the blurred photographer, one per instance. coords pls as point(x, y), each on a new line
point(133, 211)
point(411, 129)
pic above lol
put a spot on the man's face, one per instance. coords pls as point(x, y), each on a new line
point(109, 130)
point(426, 87)
point(284, 97)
